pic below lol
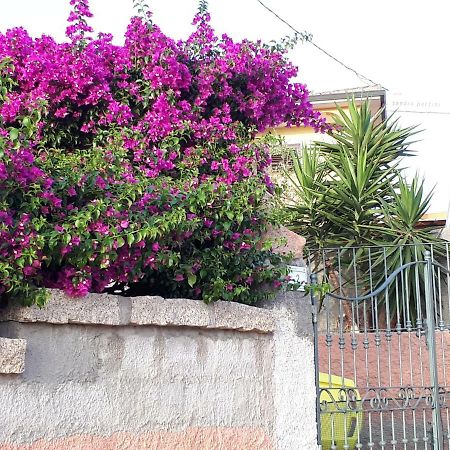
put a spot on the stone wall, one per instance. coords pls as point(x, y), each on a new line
point(108, 372)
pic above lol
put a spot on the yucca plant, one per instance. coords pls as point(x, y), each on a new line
point(352, 196)
point(407, 243)
point(342, 184)
point(309, 182)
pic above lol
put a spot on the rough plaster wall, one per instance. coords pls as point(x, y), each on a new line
point(101, 380)
point(294, 375)
point(152, 373)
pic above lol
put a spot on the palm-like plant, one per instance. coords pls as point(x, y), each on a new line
point(407, 243)
point(342, 184)
point(310, 183)
point(351, 194)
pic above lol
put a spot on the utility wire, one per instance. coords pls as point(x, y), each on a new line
point(411, 111)
point(308, 38)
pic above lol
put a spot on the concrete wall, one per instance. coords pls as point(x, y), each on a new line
point(108, 372)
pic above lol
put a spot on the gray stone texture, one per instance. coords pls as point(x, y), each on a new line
point(61, 309)
point(104, 309)
point(12, 355)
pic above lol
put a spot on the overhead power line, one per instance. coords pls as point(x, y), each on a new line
point(308, 38)
point(411, 111)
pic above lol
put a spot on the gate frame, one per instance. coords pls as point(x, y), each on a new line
point(430, 330)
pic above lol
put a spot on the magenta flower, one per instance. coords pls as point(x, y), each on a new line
point(3, 172)
point(29, 271)
point(130, 137)
point(99, 227)
point(65, 250)
point(100, 182)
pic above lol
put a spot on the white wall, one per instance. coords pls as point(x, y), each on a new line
point(431, 112)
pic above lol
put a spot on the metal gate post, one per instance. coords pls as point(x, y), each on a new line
point(438, 443)
point(316, 357)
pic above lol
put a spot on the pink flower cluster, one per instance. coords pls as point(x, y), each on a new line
point(119, 162)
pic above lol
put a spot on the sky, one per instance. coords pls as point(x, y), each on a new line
point(402, 45)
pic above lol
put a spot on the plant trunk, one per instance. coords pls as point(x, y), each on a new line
point(333, 278)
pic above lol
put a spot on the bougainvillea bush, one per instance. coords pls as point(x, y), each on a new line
point(134, 168)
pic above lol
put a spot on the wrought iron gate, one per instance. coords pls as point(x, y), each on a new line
point(383, 357)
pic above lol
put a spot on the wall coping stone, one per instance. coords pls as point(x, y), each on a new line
point(12, 355)
point(115, 310)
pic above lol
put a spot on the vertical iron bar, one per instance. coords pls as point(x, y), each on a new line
point(448, 283)
point(438, 443)
point(316, 356)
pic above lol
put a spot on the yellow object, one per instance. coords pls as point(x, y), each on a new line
point(339, 426)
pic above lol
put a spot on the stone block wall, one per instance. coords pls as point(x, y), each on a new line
point(108, 372)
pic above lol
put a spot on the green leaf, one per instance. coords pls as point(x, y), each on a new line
point(192, 279)
point(26, 122)
point(13, 134)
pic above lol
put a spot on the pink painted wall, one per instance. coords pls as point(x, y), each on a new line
point(189, 439)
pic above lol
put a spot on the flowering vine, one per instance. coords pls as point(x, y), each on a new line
point(136, 168)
